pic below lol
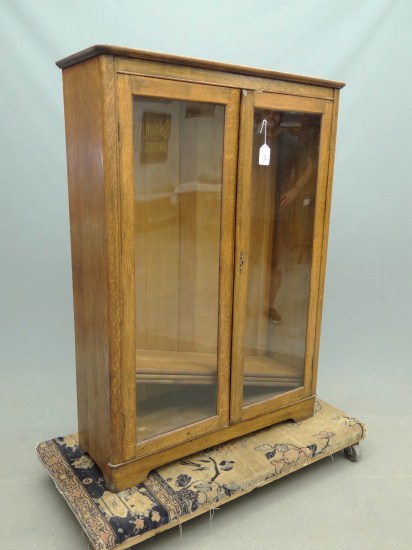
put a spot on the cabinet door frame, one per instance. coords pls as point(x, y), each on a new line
point(128, 87)
point(279, 102)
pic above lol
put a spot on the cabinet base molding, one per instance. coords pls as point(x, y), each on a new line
point(186, 488)
point(121, 476)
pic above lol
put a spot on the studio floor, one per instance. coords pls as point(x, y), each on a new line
point(333, 504)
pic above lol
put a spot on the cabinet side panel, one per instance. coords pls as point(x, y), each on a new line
point(85, 166)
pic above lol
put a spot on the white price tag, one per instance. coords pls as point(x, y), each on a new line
point(264, 155)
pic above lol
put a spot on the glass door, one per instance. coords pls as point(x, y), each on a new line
point(281, 192)
point(178, 149)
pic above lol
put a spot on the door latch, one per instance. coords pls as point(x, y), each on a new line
point(241, 261)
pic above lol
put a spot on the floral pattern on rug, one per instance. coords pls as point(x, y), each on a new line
point(194, 484)
point(284, 455)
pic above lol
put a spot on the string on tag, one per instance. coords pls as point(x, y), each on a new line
point(263, 126)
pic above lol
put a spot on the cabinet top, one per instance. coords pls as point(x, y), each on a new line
point(120, 51)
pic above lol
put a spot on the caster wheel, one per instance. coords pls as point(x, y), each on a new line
point(353, 453)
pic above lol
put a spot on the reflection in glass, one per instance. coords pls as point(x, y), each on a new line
point(281, 232)
point(178, 154)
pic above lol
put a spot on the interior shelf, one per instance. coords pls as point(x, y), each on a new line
point(168, 367)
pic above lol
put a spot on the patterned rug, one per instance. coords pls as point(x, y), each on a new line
point(186, 488)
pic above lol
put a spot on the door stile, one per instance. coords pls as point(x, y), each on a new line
point(127, 273)
point(241, 253)
point(227, 259)
point(331, 114)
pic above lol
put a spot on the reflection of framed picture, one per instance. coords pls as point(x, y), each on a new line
point(199, 109)
point(155, 137)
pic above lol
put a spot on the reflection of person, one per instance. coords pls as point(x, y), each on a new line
point(293, 170)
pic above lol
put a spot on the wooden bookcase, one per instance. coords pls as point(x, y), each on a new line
point(198, 265)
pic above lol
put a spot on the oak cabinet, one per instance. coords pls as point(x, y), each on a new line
point(199, 203)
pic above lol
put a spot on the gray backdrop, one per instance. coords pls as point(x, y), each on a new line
point(365, 361)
